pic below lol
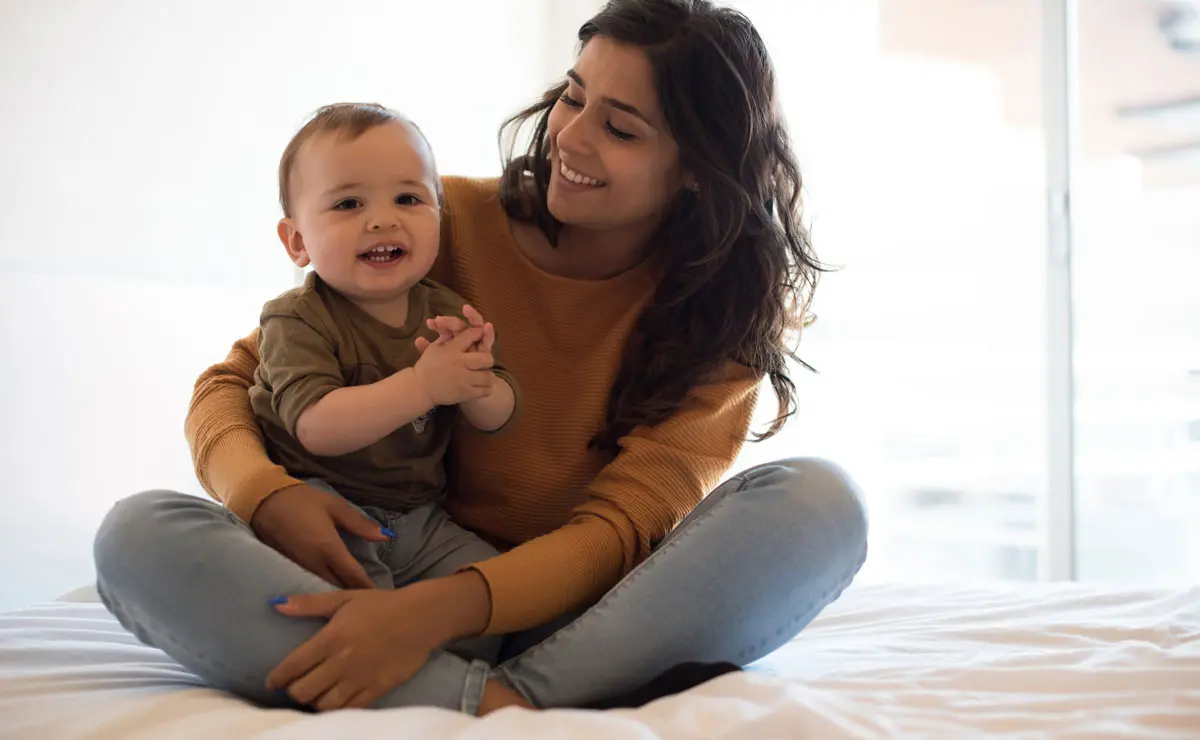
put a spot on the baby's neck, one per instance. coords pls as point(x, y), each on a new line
point(392, 311)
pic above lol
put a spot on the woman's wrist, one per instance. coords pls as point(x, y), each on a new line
point(464, 604)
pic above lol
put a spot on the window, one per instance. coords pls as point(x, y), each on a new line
point(1137, 307)
point(923, 136)
point(918, 126)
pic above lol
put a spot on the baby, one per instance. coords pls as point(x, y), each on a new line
point(347, 397)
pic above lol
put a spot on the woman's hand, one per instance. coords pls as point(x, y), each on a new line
point(302, 523)
point(375, 640)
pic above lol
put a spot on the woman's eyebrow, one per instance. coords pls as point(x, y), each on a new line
point(619, 105)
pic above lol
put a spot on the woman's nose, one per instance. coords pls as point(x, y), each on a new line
point(574, 138)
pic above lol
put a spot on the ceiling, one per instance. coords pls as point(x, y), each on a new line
point(1138, 93)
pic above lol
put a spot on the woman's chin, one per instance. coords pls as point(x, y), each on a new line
point(560, 207)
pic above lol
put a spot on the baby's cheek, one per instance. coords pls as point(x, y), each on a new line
point(429, 231)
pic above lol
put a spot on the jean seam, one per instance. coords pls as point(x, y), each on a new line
point(473, 685)
point(630, 577)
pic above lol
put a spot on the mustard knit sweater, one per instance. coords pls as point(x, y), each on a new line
point(575, 520)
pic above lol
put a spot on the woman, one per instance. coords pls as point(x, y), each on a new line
point(644, 261)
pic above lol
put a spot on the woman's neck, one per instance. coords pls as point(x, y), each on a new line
point(585, 254)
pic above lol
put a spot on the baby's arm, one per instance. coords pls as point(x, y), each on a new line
point(309, 395)
point(493, 411)
point(351, 418)
point(489, 413)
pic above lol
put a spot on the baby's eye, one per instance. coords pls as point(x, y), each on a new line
point(408, 199)
point(347, 204)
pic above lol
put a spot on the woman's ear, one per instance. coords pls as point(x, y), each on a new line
point(690, 184)
point(293, 242)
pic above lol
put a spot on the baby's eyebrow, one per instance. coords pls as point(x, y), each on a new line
point(343, 187)
point(355, 185)
point(417, 184)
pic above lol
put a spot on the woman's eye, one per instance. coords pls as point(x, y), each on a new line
point(408, 199)
point(347, 204)
point(618, 133)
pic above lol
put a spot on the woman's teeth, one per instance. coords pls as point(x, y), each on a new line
point(578, 178)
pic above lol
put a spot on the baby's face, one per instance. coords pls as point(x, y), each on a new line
point(366, 213)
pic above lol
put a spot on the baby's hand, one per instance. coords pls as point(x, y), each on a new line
point(452, 372)
point(448, 327)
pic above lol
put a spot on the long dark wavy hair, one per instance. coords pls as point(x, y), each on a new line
point(738, 265)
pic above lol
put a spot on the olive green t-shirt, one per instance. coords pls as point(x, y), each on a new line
point(312, 341)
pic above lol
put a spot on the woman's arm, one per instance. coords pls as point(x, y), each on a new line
point(659, 477)
point(227, 447)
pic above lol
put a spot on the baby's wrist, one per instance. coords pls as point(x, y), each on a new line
point(417, 385)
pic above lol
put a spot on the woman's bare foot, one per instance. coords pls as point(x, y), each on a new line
point(498, 696)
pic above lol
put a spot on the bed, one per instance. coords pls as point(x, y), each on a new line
point(1015, 661)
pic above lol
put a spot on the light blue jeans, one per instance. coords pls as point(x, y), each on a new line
point(753, 564)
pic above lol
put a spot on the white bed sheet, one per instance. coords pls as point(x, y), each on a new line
point(1032, 661)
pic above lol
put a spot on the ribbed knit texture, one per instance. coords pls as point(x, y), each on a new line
point(579, 520)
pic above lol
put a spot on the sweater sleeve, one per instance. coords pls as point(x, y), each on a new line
point(659, 477)
point(227, 447)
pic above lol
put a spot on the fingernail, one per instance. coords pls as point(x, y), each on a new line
point(387, 532)
point(277, 600)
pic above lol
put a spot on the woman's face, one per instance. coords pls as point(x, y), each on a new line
point(614, 163)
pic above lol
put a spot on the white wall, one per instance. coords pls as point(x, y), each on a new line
point(138, 146)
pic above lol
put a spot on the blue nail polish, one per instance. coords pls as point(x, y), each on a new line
point(277, 600)
point(387, 532)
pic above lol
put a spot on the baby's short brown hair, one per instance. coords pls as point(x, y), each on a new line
point(352, 120)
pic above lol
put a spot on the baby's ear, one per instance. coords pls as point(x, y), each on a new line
point(293, 242)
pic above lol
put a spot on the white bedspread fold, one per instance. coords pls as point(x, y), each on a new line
point(1027, 661)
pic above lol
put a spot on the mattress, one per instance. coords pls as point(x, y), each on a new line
point(1023, 661)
